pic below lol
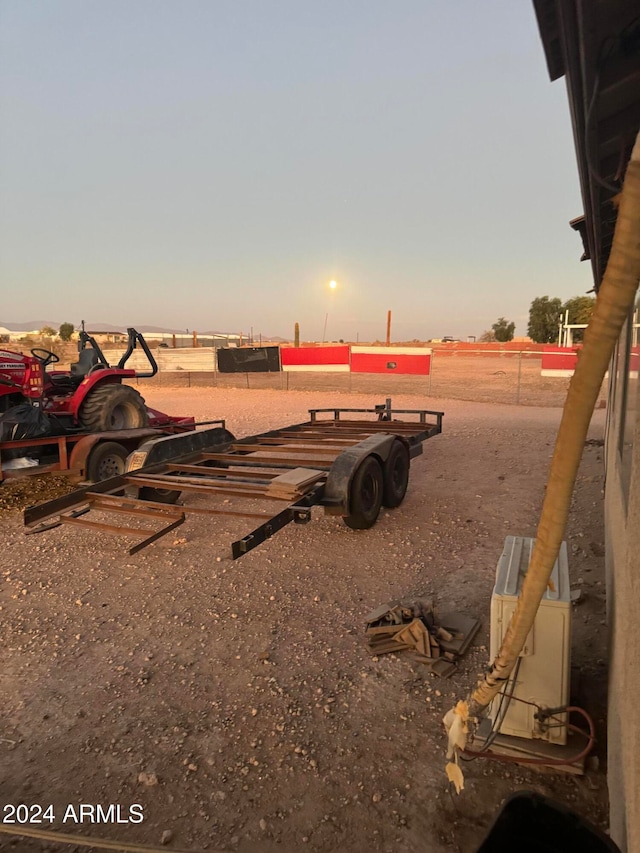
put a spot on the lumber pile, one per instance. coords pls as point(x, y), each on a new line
point(437, 640)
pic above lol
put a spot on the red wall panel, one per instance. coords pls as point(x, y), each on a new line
point(315, 358)
point(558, 361)
point(415, 361)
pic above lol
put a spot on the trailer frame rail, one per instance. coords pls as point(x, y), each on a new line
point(350, 465)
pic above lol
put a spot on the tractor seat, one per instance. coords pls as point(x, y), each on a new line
point(62, 383)
point(87, 359)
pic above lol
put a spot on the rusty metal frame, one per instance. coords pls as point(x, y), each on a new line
point(73, 449)
point(220, 466)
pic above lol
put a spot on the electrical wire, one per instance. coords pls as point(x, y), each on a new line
point(547, 762)
point(500, 714)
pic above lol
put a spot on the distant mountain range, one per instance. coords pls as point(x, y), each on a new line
point(29, 326)
point(32, 325)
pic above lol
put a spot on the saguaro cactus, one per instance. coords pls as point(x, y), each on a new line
point(296, 335)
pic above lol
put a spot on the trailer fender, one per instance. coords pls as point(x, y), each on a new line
point(336, 498)
point(82, 449)
point(172, 447)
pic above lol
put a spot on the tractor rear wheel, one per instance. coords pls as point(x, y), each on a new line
point(110, 407)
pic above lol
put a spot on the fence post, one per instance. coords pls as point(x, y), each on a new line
point(519, 377)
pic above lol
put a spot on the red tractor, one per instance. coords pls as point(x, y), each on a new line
point(90, 398)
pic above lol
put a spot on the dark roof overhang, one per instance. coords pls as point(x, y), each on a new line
point(595, 44)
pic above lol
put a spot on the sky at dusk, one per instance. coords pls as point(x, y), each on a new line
point(213, 165)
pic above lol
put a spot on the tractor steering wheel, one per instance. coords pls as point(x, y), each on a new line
point(48, 358)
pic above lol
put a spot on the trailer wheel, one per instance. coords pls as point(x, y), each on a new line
point(162, 496)
point(113, 406)
point(107, 459)
point(396, 475)
point(365, 495)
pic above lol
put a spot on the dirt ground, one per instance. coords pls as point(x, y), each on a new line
point(243, 691)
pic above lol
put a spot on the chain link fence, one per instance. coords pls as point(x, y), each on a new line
point(487, 376)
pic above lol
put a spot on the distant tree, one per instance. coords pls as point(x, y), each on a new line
point(488, 337)
point(580, 309)
point(65, 331)
point(503, 330)
point(47, 332)
point(544, 317)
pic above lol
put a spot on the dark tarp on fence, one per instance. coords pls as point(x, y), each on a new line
point(249, 360)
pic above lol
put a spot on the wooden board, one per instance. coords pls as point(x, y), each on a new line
point(294, 483)
point(458, 624)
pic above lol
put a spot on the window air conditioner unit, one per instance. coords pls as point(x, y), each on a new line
point(543, 676)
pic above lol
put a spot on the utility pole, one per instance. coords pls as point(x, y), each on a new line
point(388, 328)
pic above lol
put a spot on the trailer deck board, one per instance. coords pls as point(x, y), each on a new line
point(320, 441)
point(284, 461)
point(119, 500)
point(291, 447)
point(215, 485)
point(301, 466)
point(139, 510)
point(222, 473)
point(178, 484)
point(253, 462)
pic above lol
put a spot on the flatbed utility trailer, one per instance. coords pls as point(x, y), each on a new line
point(350, 465)
point(86, 456)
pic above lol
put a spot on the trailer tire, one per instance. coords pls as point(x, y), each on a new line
point(365, 495)
point(107, 459)
point(162, 496)
point(396, 475)
point(112, 407)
